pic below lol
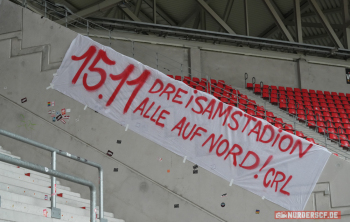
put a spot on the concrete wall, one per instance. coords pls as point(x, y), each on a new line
point(230, 63)
point(142, 189)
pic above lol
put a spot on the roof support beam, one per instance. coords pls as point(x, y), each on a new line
point(290, 15)
point(130, 14)
point(215, 16)
point(278, 20)
point(155, 11)
point(227, 12)
point(196, 20)
point(138, 7)
point(298, 28)
point(325, 11)
point(67, 4)
point(203, 19)
point(161, 12)
point(346, 19)
point(89, 11)
point(314, 25)
point(246, 17)
point(325, 23)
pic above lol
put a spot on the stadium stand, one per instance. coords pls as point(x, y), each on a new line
point(295, 102)
point(327, 113)
point(25, 196)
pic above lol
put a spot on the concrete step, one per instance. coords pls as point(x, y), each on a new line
point(47, 204)
point(26, 170)
point(29, 179)
point(36, 187)
point(82, 203)
point(17, 216)
point(42, 195)
point(40, 211)
point(333, 147)
point(23, 171)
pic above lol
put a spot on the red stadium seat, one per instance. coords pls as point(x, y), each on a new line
point(257, 89)
point(311, 121)
point(222, 82)
point(326, 93)
point(341, 111)
point(334, 94)
point(320, 96)
point(292, 111)
point(200, 88)
point(345, 144)
point(242, 107)
point(270, 114)
point(297, 90)
point(171, 76)
point(338, 125)
point(301, 115)
point(334, 115)
point(279, 121)
point(226, 95)
point(195, 79)
point(336, 120)
point(251, 112)
point(281, 88)
point(332, 134)
point(300, 134)
point(319, 92)
point(345, 121)
point(251, 107)
point(224, 100)
point(242, 101)
point(321, 127)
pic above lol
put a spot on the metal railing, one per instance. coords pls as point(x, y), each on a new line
point(53, 165)
point(54, 174)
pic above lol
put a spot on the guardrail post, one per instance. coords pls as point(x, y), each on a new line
point(245, 79)
point(45, 8)
point(55, 212)
point(101, 196)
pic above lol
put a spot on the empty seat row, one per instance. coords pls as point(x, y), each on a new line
point(319, 110)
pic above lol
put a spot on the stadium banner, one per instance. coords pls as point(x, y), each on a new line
point(222, 139)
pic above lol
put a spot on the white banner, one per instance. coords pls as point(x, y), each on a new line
point(223, 139)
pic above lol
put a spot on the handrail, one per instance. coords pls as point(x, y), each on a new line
point(54, 173)
point(65, 154)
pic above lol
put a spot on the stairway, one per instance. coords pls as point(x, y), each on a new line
point(25, 196)
point(320, 139)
